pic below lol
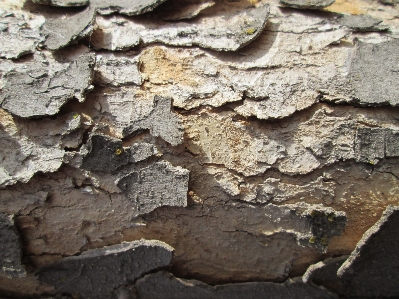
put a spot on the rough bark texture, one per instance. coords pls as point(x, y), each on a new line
point(253, 142)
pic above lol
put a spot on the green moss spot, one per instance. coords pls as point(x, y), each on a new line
point(331, 217)
point(250, 31)
point(75, 115)
point(312, 240)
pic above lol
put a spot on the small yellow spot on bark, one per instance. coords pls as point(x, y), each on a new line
point(250, 31)
point(118, 151)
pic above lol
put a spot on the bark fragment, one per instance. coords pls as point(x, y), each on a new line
point(63, 27)
point(10, 251)
point(228, 32)
point(126, 7)
point(175, 10)
point(63, 3)
point(141, 151)
point(373, 144)
point(18, 36)
point(191, 77)
point(97, 273)
point(43, 86)
point(361, 23)
point(374, 73)
point(306, 4)
point(256, 242)
point(325, 273)
point(28, 147)
point(161, 121)
point(164, 285)
point(372, 268)
point(291, 147)
point(130, 111)
point(157, 185)
point(104, 154)
point(115, 70)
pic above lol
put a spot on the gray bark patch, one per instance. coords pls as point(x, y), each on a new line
point(10, 251)
point(17, 37)
point(372, 270)
point(361, 23)
point(105, 154)
point(43, 87)
point(126, 7)
point(161, 122)
point(325, 273)
point(63, 3)
point(219, 30)
point(159, 184)
point(307, 4)
point(374, 73)
point(96, 273)
point(374, 144)
point(63, 27)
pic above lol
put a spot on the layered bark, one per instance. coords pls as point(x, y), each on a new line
point(254, 138)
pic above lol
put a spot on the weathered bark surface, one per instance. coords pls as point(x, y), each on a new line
point(255, 138)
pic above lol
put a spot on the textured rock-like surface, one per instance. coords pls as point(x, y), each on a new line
point(10, 251)
point(130, 111)
point(242, 230)
point(272, 164)
point(175, 10)
point(219, 29)
point(290, 146)
point(65, 27)
point(28, 147)
point(18, 36)
point(141, 151)
point(373, 73)
point(157, 185)
point(74, 203)
point(43, 86)
point(190, 77)
point(115, 70)
point(104, 154)
point(106, 7)
point(161, 122)
point(372, 268)
point(306, 4)
point(372, 144)
point(325, 273)
point(165, 285)
point(97, 273)
point(272, 238)
point(64, 3)
point(125, 7)
point(360, 22)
